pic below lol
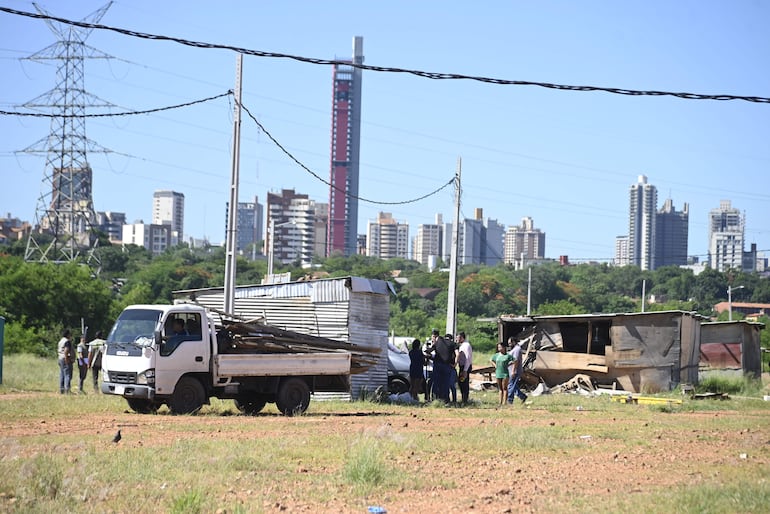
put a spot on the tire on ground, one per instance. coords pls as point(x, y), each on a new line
point(398, 385)
point(250, 405)
point(188, 396)
point(293, 396)
point(142, 405)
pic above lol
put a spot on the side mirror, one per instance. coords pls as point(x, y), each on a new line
point(158, 338)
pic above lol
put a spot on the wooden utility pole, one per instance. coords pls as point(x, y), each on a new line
point(451, 304)
point(232, 216)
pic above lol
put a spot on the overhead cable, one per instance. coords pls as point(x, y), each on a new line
point(301, 165)
point(111, 114)
point(368, 67)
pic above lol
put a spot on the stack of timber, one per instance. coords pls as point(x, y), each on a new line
point(254, 337)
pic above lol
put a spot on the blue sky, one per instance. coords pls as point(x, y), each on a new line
point(564, 158)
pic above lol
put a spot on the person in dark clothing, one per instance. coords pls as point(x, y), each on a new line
point(443, 361)
point(416, 367)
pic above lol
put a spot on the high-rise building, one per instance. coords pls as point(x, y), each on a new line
point(111, 223)
point(621, 251)
point(156, 238)
point(642, 211)
point(479, 241)
point(726, 230)
point(249, 223)
point(427, 243)
point(168, 209)
point(345, 150)
point(386, 238)
point(671, 230)
point(524, 243)
point(299, 227)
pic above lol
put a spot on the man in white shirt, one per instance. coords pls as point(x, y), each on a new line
point(465, 365)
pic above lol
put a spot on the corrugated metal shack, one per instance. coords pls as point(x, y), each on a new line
point(642, 352)
point(731, 346)
point(349, 309)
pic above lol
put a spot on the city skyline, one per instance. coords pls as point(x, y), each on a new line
point(563, 158)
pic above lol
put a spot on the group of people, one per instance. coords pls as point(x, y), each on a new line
point(452, 362)
point(508, 369)
point(85, 355)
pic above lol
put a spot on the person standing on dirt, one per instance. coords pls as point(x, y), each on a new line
point(515, 373)
point(95, 350)
point(452, 370)
point(465, 365)
point(416, 369)
point(443, 362)
point(82, 356)
point(501, 360)
point(64, 352)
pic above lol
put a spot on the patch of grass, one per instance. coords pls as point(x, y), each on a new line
point(189, 502)
point(729, 384)
point(365, 466)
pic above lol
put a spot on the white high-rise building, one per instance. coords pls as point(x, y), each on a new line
point(168, 209)
point(621, 251)
point(643, 208)
point(300, 227)
point(427, 242)
point(386, 238)
point(524, 243)
point(726, 232)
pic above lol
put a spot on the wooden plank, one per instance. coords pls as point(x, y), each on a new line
point(567, 361)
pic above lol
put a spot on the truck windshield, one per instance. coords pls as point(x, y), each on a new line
point(136, 326)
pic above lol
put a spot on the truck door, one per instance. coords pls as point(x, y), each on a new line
point(183, 350)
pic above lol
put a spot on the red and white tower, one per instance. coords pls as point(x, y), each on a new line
point(345, 149)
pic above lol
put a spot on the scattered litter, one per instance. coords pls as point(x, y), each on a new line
point(744, 456)
point(585, 438)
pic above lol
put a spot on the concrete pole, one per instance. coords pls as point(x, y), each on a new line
point(232, 217)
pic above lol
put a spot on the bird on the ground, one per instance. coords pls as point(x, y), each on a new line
point(117, 437)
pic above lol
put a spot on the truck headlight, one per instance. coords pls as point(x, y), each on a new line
point(147, 377)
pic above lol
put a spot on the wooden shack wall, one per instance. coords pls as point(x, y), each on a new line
point(718, 338)
point(646, 351)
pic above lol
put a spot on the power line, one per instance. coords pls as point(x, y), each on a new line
point(368, 67)
point(301, 165)
point(111, 114)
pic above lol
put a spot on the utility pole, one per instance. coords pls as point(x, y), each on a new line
point(232, 216)
point(451, 305)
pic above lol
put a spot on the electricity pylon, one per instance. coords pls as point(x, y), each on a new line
point(65, 220)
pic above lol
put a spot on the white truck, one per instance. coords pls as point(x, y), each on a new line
point(149, 365)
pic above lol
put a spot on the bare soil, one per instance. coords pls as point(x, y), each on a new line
point(511, 480)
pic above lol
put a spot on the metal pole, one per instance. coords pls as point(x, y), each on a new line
point(644, 292)
point(270, 251)
point(232, 221)
point(451, 307)
point(729, 303)
point(529, 292)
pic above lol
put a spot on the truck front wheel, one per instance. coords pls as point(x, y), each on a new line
point(293, 396)
point(188, 396)
point(142, 406)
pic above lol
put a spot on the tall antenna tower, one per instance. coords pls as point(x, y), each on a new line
point(65, 218)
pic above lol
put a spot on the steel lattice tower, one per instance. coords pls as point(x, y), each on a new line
point(65, 218)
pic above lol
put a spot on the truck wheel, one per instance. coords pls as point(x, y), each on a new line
point(293, 396)
point(188, 396)
point(250, 405)
point(398, 385)
point(142, 406)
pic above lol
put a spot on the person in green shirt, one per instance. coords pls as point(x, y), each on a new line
point(501, 360)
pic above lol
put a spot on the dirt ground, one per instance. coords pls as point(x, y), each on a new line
point(593, 466)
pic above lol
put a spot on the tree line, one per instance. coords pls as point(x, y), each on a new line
point(39, 300)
